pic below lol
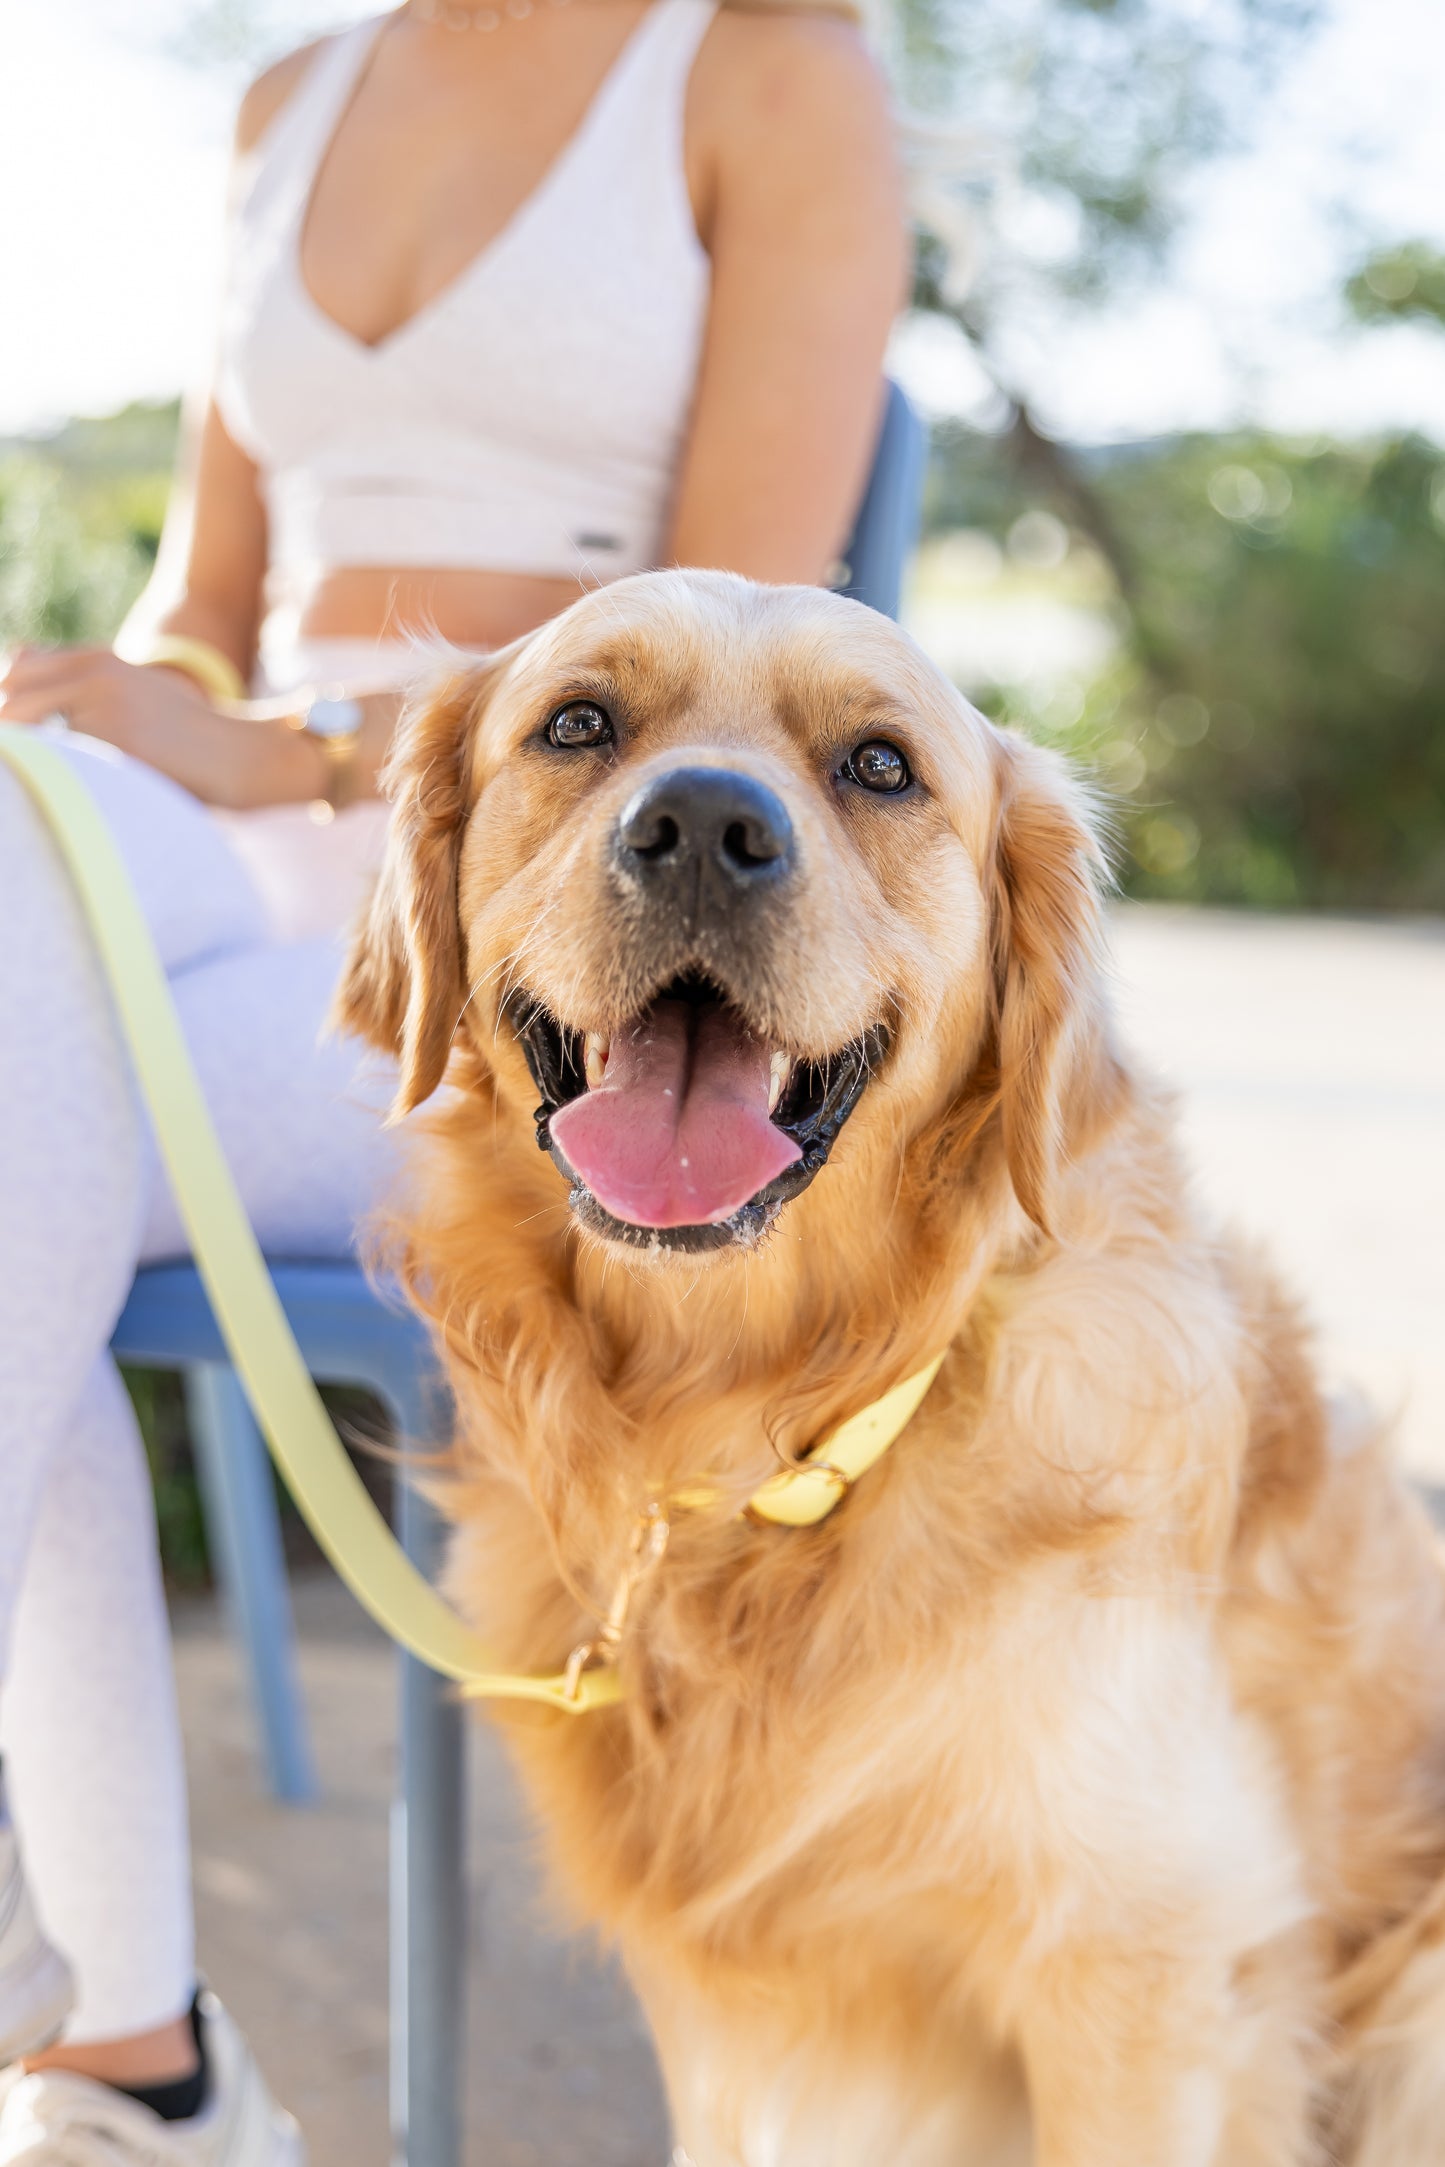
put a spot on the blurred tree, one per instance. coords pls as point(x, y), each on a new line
point(1285, 745)
point(1296, 754)
point(65, 574)
point(1272, 724)
point(1404, 284)
point(80, 520)
point(1107, 108)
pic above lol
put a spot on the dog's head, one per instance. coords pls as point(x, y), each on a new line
point(730, 880)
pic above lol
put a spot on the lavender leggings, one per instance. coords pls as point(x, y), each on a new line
point(87, 1702)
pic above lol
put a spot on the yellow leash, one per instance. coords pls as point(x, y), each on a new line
point(329, 1493)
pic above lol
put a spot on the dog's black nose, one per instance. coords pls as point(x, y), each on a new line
point(708, 827)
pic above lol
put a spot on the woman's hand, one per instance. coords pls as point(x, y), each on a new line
point(159, 716)
point(238, 757)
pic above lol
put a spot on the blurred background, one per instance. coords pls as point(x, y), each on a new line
point(1179, 333)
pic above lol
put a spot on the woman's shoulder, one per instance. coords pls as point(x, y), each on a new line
point(807, 52)
point(770, 73)
point(273, 89)
point(792, 91)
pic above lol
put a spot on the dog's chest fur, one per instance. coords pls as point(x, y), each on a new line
point(921, 1741)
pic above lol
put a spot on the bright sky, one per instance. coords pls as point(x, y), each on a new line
point(112, 155)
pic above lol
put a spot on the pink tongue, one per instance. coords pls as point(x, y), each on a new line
point(678, 1132)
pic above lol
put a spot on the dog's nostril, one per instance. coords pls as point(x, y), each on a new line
point(656, 838)
point(749, 842)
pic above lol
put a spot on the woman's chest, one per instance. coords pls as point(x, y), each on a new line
point(429, 169)
point(405, 203)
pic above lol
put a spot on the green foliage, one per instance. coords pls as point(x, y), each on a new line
point(1274, 725)
point(64, 576)
point(1399, 285)
point(1287, 610)
point(161, 1412)
point(80, 519)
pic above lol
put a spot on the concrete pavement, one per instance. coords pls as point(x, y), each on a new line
point(1310, 1055)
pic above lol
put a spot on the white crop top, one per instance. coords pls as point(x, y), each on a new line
point(530, 418)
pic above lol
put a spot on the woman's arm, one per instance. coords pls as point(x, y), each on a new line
point(212, 559)
point(208, 577)
point(801, 210)
point(207, 585)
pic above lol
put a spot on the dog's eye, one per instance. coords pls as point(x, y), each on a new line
point(877, 765)
point(580, 722)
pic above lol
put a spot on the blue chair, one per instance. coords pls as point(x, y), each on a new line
point(886, 528)
point(350, 1333)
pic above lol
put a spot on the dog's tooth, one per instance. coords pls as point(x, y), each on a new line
point(779, 1069)
point(594, 1058)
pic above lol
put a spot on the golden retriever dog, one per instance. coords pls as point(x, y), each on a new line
point(1073, 1793)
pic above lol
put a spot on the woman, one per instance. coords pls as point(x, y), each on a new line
point(521, 299)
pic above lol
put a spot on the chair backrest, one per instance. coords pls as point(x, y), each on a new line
point(887, 524)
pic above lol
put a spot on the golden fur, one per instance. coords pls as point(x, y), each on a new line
point(1076, 1792)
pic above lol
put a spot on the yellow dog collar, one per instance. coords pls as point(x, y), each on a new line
point(328, 1491)
point(801, 1496)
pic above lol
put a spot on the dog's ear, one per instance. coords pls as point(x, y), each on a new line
point(1056, 1073)
point(402, 984)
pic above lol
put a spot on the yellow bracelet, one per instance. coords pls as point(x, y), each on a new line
point(214, 672)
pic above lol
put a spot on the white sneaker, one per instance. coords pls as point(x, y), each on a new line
point(53, 2118)
point(37, 1991)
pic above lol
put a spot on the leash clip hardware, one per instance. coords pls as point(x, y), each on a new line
point(646, 1548)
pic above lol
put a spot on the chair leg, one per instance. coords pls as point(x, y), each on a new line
point(428, 1897)
point(244, 1524)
